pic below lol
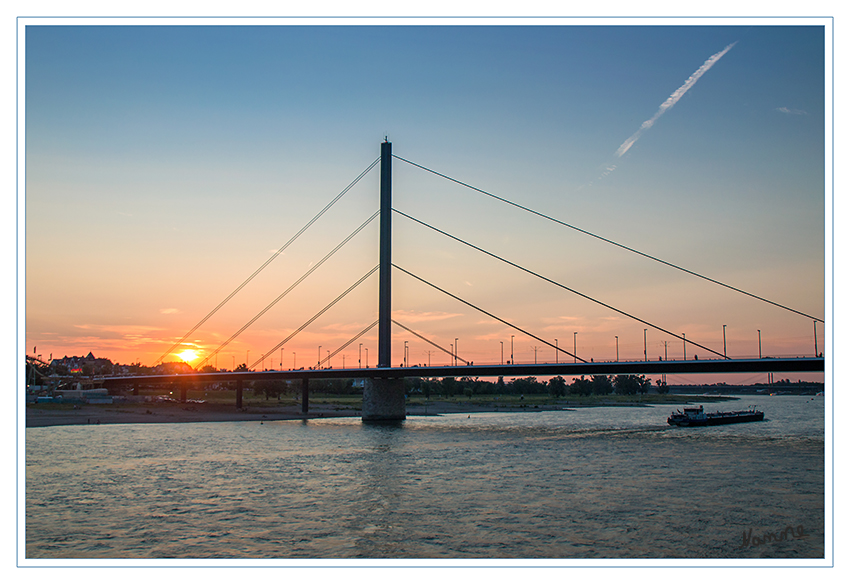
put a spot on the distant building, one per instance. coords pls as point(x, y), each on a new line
point(76, 364)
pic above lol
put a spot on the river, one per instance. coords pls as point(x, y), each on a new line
point(613, 482)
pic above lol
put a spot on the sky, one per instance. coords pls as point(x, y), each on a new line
point(165, 164)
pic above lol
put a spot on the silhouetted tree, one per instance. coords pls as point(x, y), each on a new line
point(428, 385)
point(413, 385)
point(557, 386)
point(581, 386)
point(526, 385)
point(270, 387)
point(449, 385)
point(631, 384)
point(602, 385)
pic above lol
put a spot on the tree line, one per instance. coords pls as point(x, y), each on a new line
point(554, 387)
point(470, 386)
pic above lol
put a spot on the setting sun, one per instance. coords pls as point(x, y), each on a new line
point(188, 355)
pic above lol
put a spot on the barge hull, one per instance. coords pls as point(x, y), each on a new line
point(719, 420)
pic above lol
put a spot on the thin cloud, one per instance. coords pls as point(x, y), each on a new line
point(169, 311)
point(672, 100)
point(345, 328)
point(569, 324)
point(409, 316)
point(128, 330)
point(609, 169)
point(110, 336)
point(792, 112)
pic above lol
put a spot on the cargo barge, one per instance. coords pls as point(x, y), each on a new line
point(695, 416)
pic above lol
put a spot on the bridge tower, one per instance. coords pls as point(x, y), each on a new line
point(383, 398)
point(386, 250)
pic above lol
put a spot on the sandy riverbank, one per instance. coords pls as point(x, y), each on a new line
point(174, 412)
point(164, 413)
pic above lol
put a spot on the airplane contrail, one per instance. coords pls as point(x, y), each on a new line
point(671, 101)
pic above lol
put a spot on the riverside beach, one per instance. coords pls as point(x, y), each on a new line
point(259, 410)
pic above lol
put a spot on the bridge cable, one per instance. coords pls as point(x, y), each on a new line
point(351, 340)
point(430, 342)
point(288, 290)
point(315, 316)
point(268, 261)
point(558, 221)
point(513, 326)
point(585, 296)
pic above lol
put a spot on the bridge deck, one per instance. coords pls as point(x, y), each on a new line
point(766, 365)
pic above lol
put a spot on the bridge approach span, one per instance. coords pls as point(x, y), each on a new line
point(766, 365)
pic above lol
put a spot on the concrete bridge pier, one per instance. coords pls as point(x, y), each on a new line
point(305, 395)
point(239, 394)
point(383, 400)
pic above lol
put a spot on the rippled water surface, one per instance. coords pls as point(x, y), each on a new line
point(590, 483)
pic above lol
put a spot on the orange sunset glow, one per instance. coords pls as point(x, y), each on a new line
point(188, 355)
point(427, 291)
point(109, 203)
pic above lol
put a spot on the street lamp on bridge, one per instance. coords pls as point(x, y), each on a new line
point(815, 323)
point(574, 347)
point(617, 342)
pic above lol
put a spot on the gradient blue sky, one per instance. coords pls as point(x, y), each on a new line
point(165, 163)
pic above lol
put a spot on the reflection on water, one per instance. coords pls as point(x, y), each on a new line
point(592, 483)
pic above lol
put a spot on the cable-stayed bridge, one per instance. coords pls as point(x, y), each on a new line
point(384, 390)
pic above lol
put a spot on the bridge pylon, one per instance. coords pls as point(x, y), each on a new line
point(383, 399)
